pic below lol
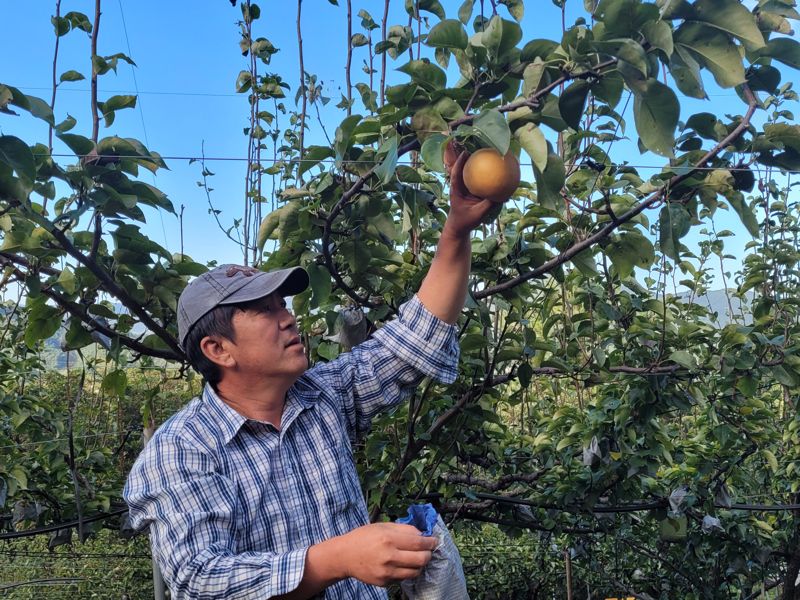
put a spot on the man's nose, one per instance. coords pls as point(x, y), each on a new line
point(287, 319)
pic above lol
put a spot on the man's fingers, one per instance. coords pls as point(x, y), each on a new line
point(457, 175)
point(401, 574)
point(414, 542)
point(405, 559)
point(451, 154)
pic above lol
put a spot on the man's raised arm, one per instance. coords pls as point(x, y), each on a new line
point(444, 289)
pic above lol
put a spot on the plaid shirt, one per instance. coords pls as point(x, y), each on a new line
point(234, 504)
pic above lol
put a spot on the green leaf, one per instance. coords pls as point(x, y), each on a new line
point(320, 281)
point(344, 134)
point(500, 36)
point(609, 88)
point(785, 50)
point(532, 140)
point(492, 128)
point(769, 457)
point(358, 40)
point(313, 155)
point(764, 78)
point(77, 143)
point(268, 226)
point(659, 34)
point(684, 359)
point(385, 170)
point(714, 50)
point(71, 76)
point(465, 11)
point(66, 124)
point(67, 280)
point(368, 97)
point(432, 152)
point(628, 50)
point(744, 211)
point(449, 33)
point(686, 72)
point(532, 76)
point(243, 82)
point(428, 121)
point(785, 376)
point(550, 182)
point(630, 250)
point(43, 322)
point(17, 155)
point(584, 261)
point(732, 17)
point(674, 223)
point(540, 48)
point(115, 382)
point(113, 104)
point(473, 341)
point(747, 385)
point(571, 103)
point(656, 111)
point(431, 6)
point(516, 8)
point(356, 254)
point(425, 74)
point(40, 109)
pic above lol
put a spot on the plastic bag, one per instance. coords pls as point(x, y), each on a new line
point(443, 577)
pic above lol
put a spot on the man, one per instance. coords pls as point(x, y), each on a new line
point(251, 491)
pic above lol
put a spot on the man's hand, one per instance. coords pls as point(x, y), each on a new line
point(381, 553)
point(466, 211)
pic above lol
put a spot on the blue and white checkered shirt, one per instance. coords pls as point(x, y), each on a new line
point(234, 504)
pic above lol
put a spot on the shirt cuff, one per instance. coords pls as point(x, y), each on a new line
point(423, 341)
point(287, 572)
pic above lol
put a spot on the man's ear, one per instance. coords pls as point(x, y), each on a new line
point(217, 350)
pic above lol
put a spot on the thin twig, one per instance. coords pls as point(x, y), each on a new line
point(95, 114)
point(302, 81)
point(349, 56)
point(55, 83)
point(383, 54)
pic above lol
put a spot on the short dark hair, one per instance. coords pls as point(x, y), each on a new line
point(216, 322)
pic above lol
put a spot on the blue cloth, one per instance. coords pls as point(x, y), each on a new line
point(443, 577)
point(233, 504)
point(421, 516)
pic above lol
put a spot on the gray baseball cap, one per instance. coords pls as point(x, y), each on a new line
point(233, 284)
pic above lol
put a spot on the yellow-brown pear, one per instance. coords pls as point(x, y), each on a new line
point(489, 175)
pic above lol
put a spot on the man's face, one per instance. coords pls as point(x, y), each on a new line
point(267, 342)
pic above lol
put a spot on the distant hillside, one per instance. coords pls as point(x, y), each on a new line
point(717, 301)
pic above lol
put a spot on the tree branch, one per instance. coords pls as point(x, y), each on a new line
point(108, 282)
point(80, 312)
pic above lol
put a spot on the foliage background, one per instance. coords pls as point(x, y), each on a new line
point(627, 436)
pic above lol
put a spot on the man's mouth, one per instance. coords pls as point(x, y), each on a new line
point(294, 341)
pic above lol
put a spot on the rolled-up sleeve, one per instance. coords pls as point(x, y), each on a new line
point(384, 370)
point(191, 513)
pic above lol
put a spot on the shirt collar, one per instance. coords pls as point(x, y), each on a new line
point(300, 396)
point(223, 416)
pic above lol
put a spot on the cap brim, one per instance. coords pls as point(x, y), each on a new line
point(287, 282)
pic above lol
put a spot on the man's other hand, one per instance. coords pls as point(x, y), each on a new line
point(381, 553)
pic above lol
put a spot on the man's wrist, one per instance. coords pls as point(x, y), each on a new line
point(454, 234)
point(326, 561)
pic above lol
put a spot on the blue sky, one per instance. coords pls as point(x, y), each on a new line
point(188, 58)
